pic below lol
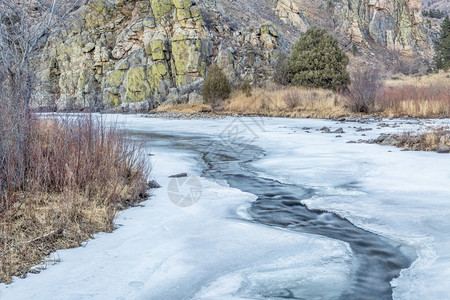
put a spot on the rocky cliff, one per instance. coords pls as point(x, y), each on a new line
point(443, 5)
point(142, 54)
point(397, 25)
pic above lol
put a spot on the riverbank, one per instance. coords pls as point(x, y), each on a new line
point(72, 177)
point(398, 97)
point(428, 138)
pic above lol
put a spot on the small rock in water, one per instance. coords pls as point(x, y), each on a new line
point(363, 129)
point(351, 142)
point(338, 136)
point(389, 141)
point(181, 175)
point(339, 130)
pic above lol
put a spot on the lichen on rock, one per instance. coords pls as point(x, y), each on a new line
point(161, 7)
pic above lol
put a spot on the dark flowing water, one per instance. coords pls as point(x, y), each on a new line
point(376, 260)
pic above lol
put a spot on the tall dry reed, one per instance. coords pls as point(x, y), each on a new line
point(62, 180)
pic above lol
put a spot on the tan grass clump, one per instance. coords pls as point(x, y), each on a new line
point(418, 81)
point(428, 140)
point(78, 173)
point(409, 96)
point(288, 102)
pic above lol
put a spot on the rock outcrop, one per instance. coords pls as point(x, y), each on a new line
point(141, 54)
point(397, 25)
point(128, 52)
point(290, 12)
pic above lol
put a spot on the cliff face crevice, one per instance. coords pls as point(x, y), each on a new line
point(142, 54)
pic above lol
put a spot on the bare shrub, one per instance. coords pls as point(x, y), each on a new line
point(292, 98)
point(419, 101)
point(61, 180)
point(362, 91)
point(74, 175)
point(24, 29)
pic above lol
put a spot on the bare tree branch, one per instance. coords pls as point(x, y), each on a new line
point(23, 25)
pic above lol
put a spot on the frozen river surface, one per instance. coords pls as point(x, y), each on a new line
point(271, 209)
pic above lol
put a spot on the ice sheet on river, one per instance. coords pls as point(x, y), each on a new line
point(207, 251)
point(210, 252)
point(401, 195)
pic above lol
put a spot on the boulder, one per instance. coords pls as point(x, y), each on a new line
point(339, 130)
point(443, 149)
point(195, 98)
point(325, 129)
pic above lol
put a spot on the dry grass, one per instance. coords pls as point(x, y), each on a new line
point(78, 173)
point(278, 102)
point(422, 102)
point(418, 81)
point(409, 96)
point(425, 141)
point(415, 96)
point(287, 102)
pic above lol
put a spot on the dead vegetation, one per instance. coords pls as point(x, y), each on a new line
point(65, 186)
point(361, 94)
point(413, 101)
point(436, 139)
point(432, 139)
point(61, 180)
point(286, 102)
point(290, 102)
point(408, 96)
point(415, 96)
